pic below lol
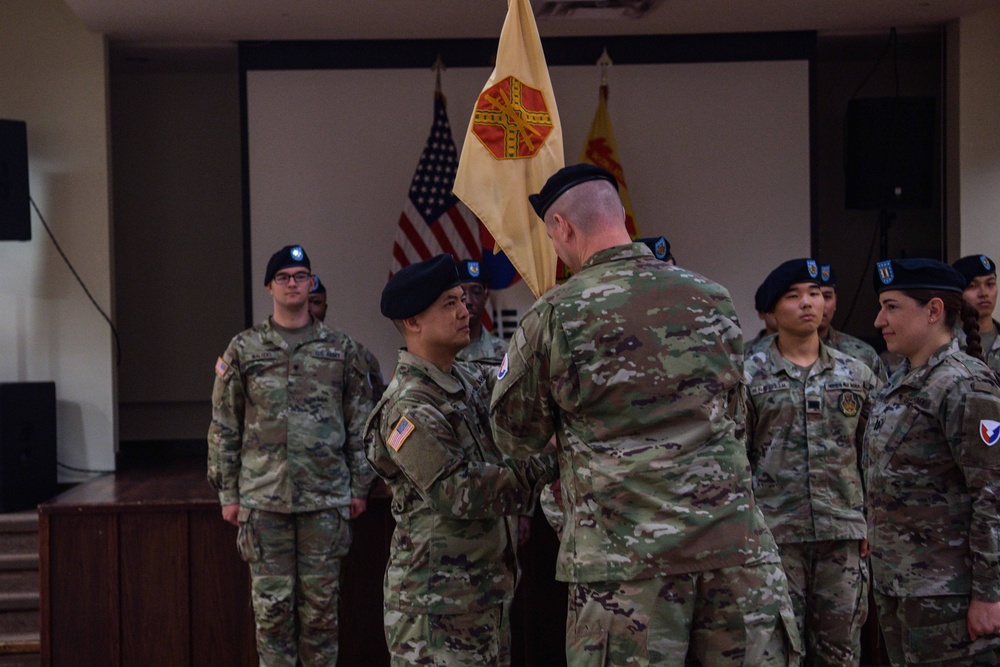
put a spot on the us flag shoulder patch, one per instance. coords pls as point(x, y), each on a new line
point(404, 427)
point(221, 367)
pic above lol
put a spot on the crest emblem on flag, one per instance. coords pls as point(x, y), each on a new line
point(986, 262)
point(885, 273)
point(989, 431)
point(812, 268)
point(824, 273)
point(511, 119)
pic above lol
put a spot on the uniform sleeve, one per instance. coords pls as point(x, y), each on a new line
point(422, 444)
point(746, 422)
point(972, 422)
point(872, 384)
point(225, 434)
point(522, 409)
point(359, 401)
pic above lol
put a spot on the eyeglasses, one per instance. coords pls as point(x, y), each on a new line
point(300, 277)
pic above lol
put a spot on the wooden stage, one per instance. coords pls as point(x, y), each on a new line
point(139, 569)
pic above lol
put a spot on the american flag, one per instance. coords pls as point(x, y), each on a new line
point(433, 220)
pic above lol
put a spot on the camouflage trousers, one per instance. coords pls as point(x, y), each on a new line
point(828, 584)
point(730, 617)
point(295, 582)
point(932, 631)
point(480, 639)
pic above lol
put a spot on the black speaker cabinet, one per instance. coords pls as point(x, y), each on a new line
point(15, 214)
point(27, 444)
point(889, 153)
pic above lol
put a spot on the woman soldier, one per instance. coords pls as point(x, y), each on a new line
point(932, 474)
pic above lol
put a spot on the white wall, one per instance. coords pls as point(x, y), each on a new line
point(979, 138)
point(716, 156)
point(53, 76)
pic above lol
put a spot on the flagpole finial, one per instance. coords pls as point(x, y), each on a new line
point(437, 68)
point(604, 62)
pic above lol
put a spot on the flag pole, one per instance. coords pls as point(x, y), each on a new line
point(437, 68)
point(604, 62)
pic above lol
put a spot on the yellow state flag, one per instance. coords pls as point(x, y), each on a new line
point(601, 150)
point(514, 143)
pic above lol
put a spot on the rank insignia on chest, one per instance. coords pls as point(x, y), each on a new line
point(221, 367)
point(849, 404)
point(989, 431)
point(400, 432)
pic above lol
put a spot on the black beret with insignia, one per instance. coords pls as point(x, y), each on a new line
point(318, 286)
point(905, 274)
point(411, 290)
point(473, 271)
point(659, 245)
point(563, 180)
point(789, 273)
point(974, 266)
point(290, 255)
point(827, 276)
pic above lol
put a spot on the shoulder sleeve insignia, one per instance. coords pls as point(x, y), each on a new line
point(989, 431)
point(504, 365)
point(400, 432)
point(221, 367)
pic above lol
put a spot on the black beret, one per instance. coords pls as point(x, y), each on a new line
point(472, 271)
point(789, 273)
point(411, 290)
point(904, 274)
point(758, 298)
point(563, 180)
point(659, 245)
point(974, 266)
point(827, 276)
point(318, 286)
point(290, 255)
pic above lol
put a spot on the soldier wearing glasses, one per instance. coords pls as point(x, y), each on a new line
point(287, 458)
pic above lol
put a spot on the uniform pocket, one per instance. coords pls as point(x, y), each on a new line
point(247, 539)
point(934, 643)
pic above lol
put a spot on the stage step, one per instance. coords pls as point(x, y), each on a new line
point(19, 599)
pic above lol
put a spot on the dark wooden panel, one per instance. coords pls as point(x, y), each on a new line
point(362, 641)
point(155, 598)
point(222, 627)
point(81, 591)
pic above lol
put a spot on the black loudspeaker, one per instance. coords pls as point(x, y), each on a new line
point(15, 214)
point(889, 152)
point(27, 444)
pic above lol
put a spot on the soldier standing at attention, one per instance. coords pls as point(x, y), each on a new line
point(932, 475)
point(450, 577)
point(287, 458)
point(476, 285)
point(981, 292)
point(805, 422)
point(636, 367)
point(838, 340)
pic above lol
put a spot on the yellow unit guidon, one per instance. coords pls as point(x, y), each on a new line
point(400, 433)
point(221, 367)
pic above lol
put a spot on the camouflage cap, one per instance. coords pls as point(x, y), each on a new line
point(290, 255)
point(565, 179)
point(789, 273)
point(411, 290)
point(472, 271)
point(906, 274)
point(974, 266)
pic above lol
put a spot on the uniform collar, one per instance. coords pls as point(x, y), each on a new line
point(447, 381)
point(627, 251)
point(918, 378)
point(778, 364)
point(315, 331)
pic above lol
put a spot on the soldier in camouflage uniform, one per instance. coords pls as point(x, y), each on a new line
point(287, 458)
point(482, 344)
point(636, 367)
point(932, 473)
point(451, 572)
point(980, 274)
point(838, 340)
point(805, 420)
